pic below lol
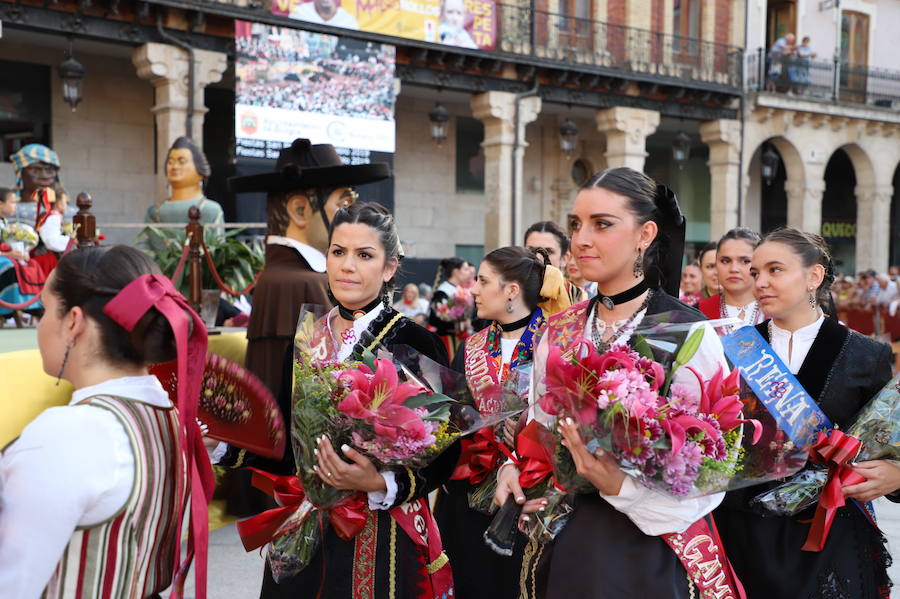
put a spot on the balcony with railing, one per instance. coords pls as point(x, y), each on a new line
point(823, 80)
point(571, 40)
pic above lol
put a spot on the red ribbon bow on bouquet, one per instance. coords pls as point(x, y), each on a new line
point(833, 449)
point(531, 458)
point(348, 517)
point(127, 308)
point(480, 456)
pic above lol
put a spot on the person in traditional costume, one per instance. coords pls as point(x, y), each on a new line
point(454, 277)
point(547, 235)
point(95, 492)
point(691, 283)
point(186, 171)
point(382, 561)
point(707, 261)
point(733, 254)
point(20, 280)
point(37, 168)
point(625, 230)
point(515, 290)
point(841, 370)
point(308, 186)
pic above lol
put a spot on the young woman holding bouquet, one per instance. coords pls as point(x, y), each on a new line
point(515, 290)
point(450, 315)
point(94, 492)
point(841, 370)
point(733, 254)
point(382, 561)
point(611, 546)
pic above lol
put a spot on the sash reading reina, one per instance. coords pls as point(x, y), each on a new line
point(790, 405)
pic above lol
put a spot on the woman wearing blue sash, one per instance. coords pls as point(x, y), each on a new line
point(512, 287)
point(841, 370)
point(624, 230)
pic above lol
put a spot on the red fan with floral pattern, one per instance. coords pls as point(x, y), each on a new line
point(235, 405)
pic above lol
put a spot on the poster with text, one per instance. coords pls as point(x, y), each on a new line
point(463, 23)
point(298, 84)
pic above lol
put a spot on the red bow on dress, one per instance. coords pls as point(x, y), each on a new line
point(480, 456)
point(127, 308)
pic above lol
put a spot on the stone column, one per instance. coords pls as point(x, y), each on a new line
point(497, 110)
point(804, 200)
point(626, 130)
point(166, 67)
point(724, 140)
point(873, 226)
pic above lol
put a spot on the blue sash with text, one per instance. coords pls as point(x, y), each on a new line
point(774, 385)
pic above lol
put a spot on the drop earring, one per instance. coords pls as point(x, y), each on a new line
point(812, 300)
point(639, 264)
point(509, 307)
point(64, 362)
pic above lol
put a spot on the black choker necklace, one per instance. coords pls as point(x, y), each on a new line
point(514, 326)
point(611, 301)
point(352, 315)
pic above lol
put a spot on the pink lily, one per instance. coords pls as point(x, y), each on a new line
point(721, 398)
point(379, 401)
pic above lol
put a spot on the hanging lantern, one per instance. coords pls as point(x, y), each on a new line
point(568, 136)
point(681, 148)
point(769, 164)
point(71, 72)
point(439, 118)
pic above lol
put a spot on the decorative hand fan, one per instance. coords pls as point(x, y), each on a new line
point(235, 405)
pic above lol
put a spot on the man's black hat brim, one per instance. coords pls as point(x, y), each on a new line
point(292, 177)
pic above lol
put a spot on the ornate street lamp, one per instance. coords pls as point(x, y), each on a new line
point(71, 72)
point(568, 135)
point(439, 117)
point(769, 164)
point(681, 148)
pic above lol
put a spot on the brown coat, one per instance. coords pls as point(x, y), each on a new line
point(286, 283)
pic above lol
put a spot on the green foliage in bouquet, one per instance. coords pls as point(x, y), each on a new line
point(237, 261)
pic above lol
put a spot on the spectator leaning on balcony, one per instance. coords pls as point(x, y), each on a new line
point(799, 70)
point(779, 54)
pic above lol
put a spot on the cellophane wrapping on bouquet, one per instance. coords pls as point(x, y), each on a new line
point(398, 407)
point(482, 454)
point(671, 428)
point(877, 426)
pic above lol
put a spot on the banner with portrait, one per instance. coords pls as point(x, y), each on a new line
point(463, 23)
point(328, 89)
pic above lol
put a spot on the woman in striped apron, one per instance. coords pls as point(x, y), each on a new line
point(95, 492)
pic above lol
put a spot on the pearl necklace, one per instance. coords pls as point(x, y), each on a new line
point(723, 313)
point(603, 346)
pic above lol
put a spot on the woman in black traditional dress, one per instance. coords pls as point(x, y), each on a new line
point(841, 370)
point(622, 227)
point(513, 288)
point(453, 278)
point(363, 256)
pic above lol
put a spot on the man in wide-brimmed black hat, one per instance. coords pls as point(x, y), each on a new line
point(309, 184)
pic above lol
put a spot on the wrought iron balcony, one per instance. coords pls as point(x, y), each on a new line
point(825, 80)
point(572, 40)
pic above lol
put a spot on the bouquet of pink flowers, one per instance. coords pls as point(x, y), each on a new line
point(459, 307)
point(399, 408)
point(666, 435)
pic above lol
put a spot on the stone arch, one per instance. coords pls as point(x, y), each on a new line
point(862, 164)
point(771, 200)
point(840, 209)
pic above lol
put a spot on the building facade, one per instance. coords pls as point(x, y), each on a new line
point(637, 79)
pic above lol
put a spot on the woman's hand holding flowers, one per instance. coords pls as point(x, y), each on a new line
point(599, 468)
point(361, 475)
point(883, 478)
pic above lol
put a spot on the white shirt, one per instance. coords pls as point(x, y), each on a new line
point(653, 512)
point(52, 235)
point(71, 466)
point(752, 313)
point(313, 257)
point(507, 347)
point(793, 354)
point(341, 18)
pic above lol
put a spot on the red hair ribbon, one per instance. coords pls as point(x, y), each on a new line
point(834, 449)
point(127, 308)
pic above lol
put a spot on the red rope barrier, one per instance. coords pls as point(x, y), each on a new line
point(221, 283)
point(180, 267)
point(21, 306)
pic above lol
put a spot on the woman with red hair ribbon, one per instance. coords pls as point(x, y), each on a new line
point(95, 492)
